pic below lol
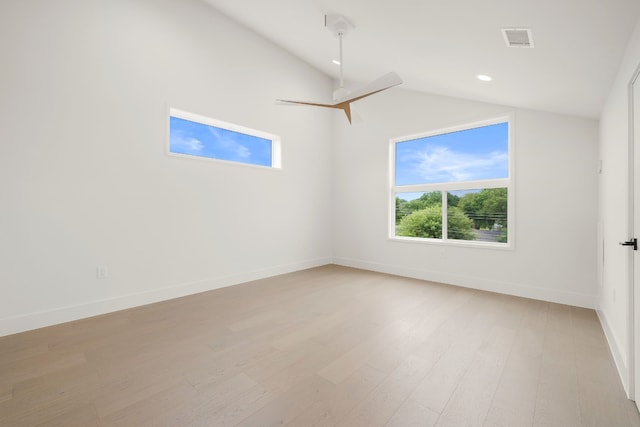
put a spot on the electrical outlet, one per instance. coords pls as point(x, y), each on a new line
point(101, 272)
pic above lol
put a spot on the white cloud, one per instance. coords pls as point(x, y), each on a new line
point(440, 164)
point(189, 144)
point(229, 145)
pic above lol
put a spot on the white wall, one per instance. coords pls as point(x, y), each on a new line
point(555, 189)
point(613, 296)
point(84, 178)
point(85, 181)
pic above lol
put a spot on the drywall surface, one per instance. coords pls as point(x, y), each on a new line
point(85, 180)
point(555, 181)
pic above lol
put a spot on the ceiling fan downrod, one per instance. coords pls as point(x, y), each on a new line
point(339, 26)
point(340, 59)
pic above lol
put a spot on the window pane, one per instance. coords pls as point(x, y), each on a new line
point(479, 215)
point(203, 140)
point(419, 214)
point(471, 154)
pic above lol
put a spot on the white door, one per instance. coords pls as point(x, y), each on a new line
point(634, 152)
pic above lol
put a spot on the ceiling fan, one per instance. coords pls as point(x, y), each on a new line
point(342, 98)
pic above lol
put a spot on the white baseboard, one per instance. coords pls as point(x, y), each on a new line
point(16, 324)
point(619, 357)
point(543, 294)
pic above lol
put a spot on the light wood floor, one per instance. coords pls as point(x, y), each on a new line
point(321, 347)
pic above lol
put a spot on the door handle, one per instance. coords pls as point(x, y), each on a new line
point(631, 242)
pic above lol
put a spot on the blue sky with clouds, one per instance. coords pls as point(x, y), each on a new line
point(197, 139)
point(472, 154)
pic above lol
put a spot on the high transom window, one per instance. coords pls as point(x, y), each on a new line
point(198, 136)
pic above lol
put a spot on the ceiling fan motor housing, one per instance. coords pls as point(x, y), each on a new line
point(337, 24)
point(340, 93)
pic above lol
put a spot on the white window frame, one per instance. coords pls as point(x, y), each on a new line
point(444, 187)
point(276, 149)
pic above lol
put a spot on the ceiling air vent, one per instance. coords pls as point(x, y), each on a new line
point(518, 37)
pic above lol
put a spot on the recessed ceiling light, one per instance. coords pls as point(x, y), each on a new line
point(484, 77)
point(335, 61)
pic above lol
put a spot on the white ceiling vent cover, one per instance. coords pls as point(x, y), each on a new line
point(518, 37)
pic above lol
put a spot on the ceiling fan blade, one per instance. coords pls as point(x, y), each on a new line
point(344, 106)
point(385, 82)
point(315, 104)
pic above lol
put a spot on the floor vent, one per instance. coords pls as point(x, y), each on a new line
point(518, 37)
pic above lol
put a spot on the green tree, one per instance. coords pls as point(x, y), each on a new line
point(486, 208)
point(426, 222)
point(427, 199)
point(503, 235)
point(495, 205)
point(401, 210)
point(404, 207)
point(459, 225)
point(452, 199)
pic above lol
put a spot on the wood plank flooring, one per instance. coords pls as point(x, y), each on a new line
point(329, 346)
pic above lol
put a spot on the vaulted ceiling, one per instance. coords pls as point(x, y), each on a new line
point(440, 46)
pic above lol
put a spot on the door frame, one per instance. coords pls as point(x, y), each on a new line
point(634, 308)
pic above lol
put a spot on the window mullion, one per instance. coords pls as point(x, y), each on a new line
point(452, 186)
point(445, 225)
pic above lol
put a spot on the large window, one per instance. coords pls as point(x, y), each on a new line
point(453, 186)
point(199, 136)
